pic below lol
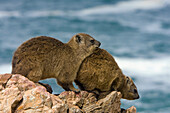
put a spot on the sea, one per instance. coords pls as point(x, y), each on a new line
point(135, 32)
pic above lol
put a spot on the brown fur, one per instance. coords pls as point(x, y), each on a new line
point(45, 57)
point(100, 73)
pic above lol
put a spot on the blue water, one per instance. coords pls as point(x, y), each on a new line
point(135, 32)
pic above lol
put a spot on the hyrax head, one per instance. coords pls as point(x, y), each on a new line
point(84, 42)
point(129, 90)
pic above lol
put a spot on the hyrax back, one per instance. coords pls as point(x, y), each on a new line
point(100, 73)
point(45, 57)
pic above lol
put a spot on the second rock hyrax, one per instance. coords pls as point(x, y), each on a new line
point(45, 57)
point(99, 73)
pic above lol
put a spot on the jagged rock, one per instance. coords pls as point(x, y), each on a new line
point(131, 110)
point(111, 103)
point(20, 95)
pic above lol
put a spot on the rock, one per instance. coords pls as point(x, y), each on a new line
point(131, 110)
point(35, 100)
point(3, 80)
point(20, 95)
point(111, 103)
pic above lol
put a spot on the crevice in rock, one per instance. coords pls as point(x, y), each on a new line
point(4, 85)
point(67, 110)
point(15, 105)
point(47, 86)
point(80, 107)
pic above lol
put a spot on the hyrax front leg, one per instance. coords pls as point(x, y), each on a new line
point(35, 75)
point(68, 86)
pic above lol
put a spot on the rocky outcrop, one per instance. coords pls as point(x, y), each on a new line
point(20, 95)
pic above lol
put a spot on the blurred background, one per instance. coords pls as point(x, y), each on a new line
point(135, 32)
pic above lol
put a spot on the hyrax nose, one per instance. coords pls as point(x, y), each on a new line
point(99, 43)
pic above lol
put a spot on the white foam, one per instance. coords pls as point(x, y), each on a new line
point(34, 14)
point(145, 25)
point(45, 13)
point(155, 27)
point(125, 6)
point(145, 67)
point(6, 68)
point(9, 14)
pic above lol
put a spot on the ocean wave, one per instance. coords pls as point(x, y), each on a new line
point(144, 25)
point(145, 67)
point(125, 6)
point(9, 14)
point(120, 7)
point(31, 14)
point(45, 13)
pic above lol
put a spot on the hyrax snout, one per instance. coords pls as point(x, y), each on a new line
point(45, 57)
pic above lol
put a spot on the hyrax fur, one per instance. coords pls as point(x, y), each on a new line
point(45, 57)
point(100, 73)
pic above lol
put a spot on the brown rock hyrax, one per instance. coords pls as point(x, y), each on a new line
point(99, 73)
point(45, 57)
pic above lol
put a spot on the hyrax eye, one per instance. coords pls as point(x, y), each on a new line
point(92, 41)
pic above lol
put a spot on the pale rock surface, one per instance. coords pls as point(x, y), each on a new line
point(131, 110)
point(20, 95)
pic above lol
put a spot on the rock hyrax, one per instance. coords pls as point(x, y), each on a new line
point(100, 73)
point(45, 57)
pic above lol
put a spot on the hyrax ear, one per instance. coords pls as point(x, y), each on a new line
point(78, 38)
point(127, 79)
